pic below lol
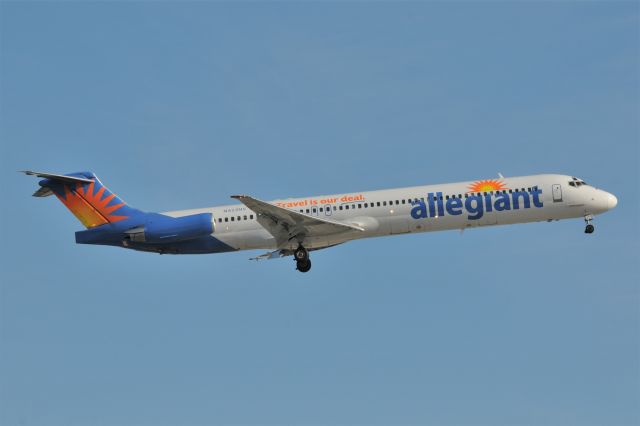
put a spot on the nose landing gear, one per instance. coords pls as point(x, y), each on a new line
point(589, 228)
point(301, 256)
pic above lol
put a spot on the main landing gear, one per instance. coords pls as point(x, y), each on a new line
point(301, 256)
point(589, 228)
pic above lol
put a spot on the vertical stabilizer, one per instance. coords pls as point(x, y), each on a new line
point(86, 197)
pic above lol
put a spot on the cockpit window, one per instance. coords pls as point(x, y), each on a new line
point(575, 182)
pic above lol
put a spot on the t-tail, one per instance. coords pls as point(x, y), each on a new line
point(85, 196)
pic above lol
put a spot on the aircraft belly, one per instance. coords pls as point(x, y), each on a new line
point(399, 225)
point(248, 239)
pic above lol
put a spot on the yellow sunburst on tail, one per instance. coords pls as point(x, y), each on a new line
point(487, 185)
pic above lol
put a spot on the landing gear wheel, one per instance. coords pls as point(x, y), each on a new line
point(303, 265)
point(301, 253)
point(589, 228)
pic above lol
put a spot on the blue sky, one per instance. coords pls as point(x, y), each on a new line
point(179, 105)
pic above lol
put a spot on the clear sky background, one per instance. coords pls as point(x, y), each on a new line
point(179, 105)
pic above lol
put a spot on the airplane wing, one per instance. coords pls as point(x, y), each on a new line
point(276, 254)
point(285, 224)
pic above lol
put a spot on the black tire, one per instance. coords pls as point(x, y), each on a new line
point(589, 229)
point(303, 265)
point(301, 253)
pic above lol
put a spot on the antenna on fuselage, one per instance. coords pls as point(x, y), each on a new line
point(500, 175)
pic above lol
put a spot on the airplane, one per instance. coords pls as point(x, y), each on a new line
point(297, 226)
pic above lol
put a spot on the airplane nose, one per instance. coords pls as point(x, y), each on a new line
point(612, 201)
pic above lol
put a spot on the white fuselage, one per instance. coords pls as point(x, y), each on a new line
point(501, 201)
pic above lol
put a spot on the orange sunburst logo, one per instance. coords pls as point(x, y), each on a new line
point(487, 185)
point(89, 207)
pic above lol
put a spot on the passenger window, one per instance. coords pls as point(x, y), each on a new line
point(251, 217)
point(346, 207)
point(315, 210)
point(245, 217)
point(239, 219)
point(219, 220)
point(340, 207)
point(447, 197)
point(307, 210)
point(226, 219)
point(366, 205)
point(403, 201)
point(231, 218)
point(378, 203)
point(334, 208)
point(320, 208)
point(384, 203)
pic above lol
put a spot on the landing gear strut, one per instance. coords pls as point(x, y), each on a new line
point(589, 228)
point(301, 256)
point(301, 253)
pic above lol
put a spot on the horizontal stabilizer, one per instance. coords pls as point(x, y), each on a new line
point(61, 178)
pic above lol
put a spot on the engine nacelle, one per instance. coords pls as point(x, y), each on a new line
point(167, 229)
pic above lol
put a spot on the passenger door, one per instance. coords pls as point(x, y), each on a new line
point(556, 191)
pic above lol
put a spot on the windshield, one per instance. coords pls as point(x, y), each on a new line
point(575, 182)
